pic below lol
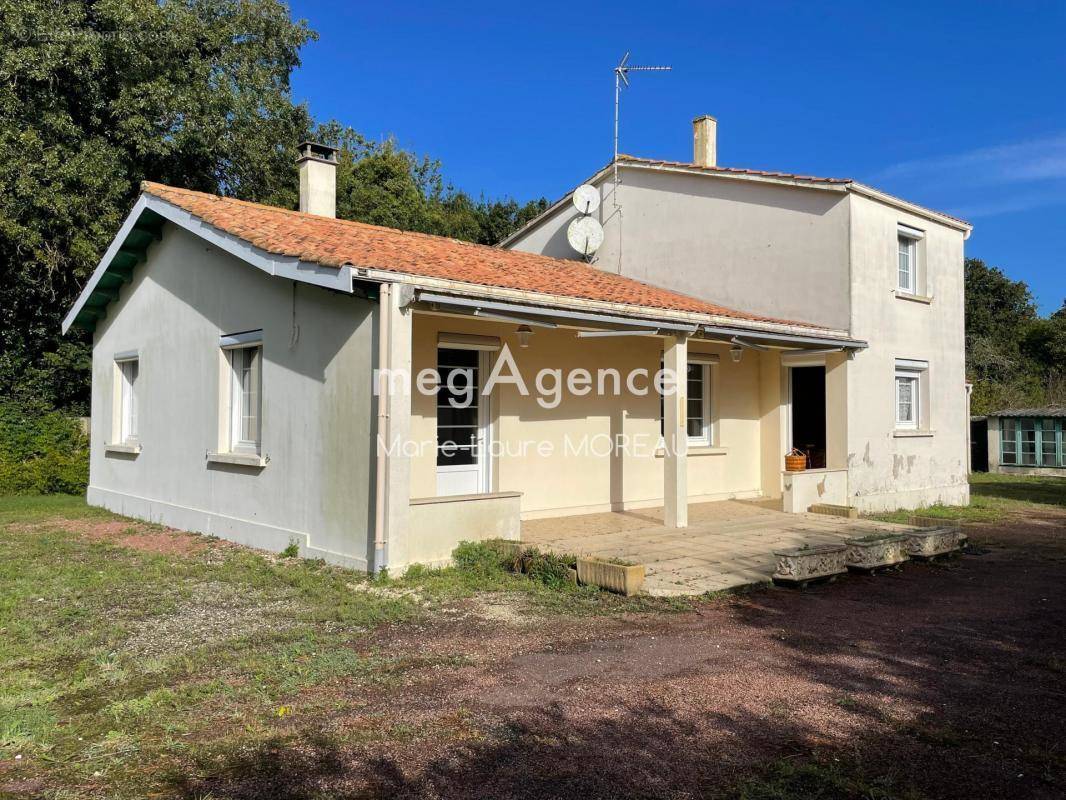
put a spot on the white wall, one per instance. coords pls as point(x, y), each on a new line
point(888, 470)
point(723, 240)
point(317, 404)
point(814, 256)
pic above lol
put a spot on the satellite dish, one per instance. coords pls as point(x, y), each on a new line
point(585, 235)
point(586, 198)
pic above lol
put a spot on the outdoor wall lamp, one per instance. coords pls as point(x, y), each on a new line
point(524, 332)
point(735, 352)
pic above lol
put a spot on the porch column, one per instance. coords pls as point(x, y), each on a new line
point(396, 350)
point(836, 410)
point(675, 463)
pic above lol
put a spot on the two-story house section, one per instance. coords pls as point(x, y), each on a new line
point(892, 417)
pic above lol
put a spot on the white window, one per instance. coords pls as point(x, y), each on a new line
point(127, 370)
point(244, 353)
point(698, 412)
point(699, 425)
point(909, 393)
point(907, 241)
point(907, 402)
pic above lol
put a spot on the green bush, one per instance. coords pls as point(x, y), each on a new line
point(547, 568)
point(41, 451)
point(494, 555)
point(488, 556)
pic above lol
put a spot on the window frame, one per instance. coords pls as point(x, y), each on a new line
point(913, 238)
point(1045, 431)
point(236, 346)
point(1004, 439)
point(915, 379)
point(907, 369)
point(706, 435)
point(128, 405)
point(709, 431)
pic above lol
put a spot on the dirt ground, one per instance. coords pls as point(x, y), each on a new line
point(942, 680)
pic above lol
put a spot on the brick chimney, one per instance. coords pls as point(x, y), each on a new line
point(705, 141)
point(318, 179)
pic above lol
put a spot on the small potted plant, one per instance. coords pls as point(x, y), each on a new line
point(611, 574)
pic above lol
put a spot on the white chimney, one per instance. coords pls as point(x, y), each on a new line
point(705, 141)
point(318, 179)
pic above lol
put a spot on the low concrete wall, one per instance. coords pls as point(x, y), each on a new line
point(1007, 469)
point(438, 524)
point(804, 489)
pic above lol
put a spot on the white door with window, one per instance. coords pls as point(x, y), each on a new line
point(462, 422)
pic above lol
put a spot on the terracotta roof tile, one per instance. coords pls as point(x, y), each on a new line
point(336, 243)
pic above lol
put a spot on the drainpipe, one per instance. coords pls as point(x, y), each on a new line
point(380, 531)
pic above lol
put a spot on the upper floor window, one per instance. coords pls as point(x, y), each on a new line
point(244, 353)
point(908, 240)
point(128, 369)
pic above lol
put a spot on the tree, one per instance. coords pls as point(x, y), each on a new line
point(382, 184)
point(96, 96)
point(1013, 357)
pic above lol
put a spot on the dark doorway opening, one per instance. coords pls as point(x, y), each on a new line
point(808, 414)
point(979, 445)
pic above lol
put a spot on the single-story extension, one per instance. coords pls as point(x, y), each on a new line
point(1027, 441)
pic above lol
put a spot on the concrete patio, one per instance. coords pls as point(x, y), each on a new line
point(726, 544)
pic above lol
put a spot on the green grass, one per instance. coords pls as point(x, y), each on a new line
point(137, 664)
point(994, 497)
point(814, 780)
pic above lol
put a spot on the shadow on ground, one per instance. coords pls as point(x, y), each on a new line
point(1048, 491)
point(942, 681)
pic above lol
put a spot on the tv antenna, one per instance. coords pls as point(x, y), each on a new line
point(621, 80)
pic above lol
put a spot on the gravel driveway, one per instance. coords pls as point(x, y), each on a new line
point(945, 681)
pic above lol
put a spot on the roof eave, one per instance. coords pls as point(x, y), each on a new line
point(649, 314)
point(835, 185)
point(912, 208)
point(158, 208)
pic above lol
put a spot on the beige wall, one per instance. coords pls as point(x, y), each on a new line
point(317, 404)
point(438, 525)
point(723, 240)
point(571, 482)
point(889, 470)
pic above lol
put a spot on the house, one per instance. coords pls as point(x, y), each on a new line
point(1027, 441)
point(833, 252)
point(376, 396)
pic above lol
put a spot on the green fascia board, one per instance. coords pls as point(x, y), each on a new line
point(113, 279)
point(138, 239)
point(134, 250)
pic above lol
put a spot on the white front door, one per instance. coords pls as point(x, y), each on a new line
point(462, 422)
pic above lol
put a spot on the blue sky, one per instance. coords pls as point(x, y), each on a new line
point(958, 106)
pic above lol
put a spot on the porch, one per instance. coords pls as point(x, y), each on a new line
point(559, 411)
point(727, 543)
